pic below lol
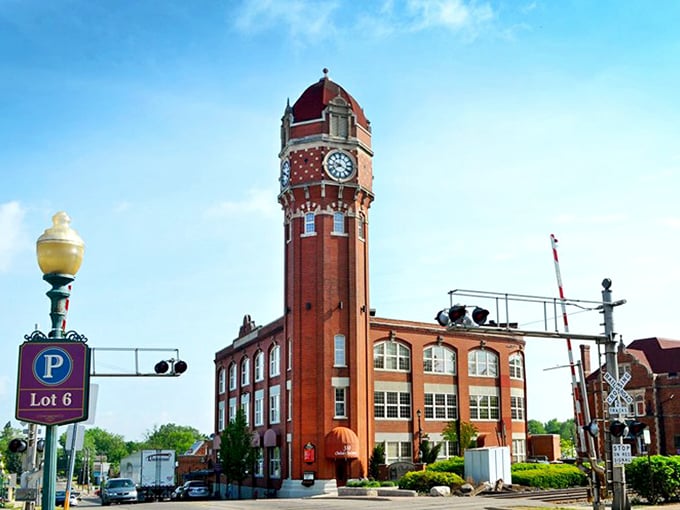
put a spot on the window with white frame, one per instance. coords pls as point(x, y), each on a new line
point(259, 462)
point(220, 416)
point(441, 406)
point(391, 355)
point(516, 366)
point(232, 376)
point(289, 231)
point(275, 404)
point(222, 381)
point(517, 408)
point(275, 462)
point(259, 366)
point(484, 407)
point(340, 402)
point(259, 408)
point(339, 351)
point(309, 223)
point(275, 361)
point(245, 372)
point(289, 400)
point(245, 405)
point(290, 354)
point(448, 449)
point(338, 223)
point(439, 359)
point(482, 363)
point(232, 408)
point(392, 404)
point(398, 451)
point(519, 450)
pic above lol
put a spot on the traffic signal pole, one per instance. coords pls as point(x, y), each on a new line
point(616, 473)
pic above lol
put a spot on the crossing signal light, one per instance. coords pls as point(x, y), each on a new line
point(180, 366)
point(479, 315)
point(161, 367)
point(636, 428)
point(618, 428)
point(457, 313)
point(17, 445)
point(592, 428)
point(443, 317)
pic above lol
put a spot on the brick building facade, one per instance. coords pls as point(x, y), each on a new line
point(327, 381)
point(654, 367)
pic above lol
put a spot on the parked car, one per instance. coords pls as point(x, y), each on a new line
point(117, 490)
point(193, 489)
point(60, 498)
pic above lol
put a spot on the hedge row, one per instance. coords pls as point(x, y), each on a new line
point(548, 476)
point(423, 481)
point(656, 478)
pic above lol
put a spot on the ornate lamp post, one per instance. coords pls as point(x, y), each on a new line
point(60, 253)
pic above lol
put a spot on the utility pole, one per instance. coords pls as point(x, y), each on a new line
point(615, 473)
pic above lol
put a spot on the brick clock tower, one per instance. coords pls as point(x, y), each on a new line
point(326, 180)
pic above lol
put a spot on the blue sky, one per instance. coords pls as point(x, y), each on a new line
point(155, 125)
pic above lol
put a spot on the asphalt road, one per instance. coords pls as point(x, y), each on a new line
point(334, 503)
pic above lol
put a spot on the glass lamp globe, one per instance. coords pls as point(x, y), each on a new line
point(60, 249)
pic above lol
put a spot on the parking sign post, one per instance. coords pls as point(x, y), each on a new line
point(54, 369)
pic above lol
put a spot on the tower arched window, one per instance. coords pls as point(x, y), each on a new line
point(482, 363)
point(232, 376)
point(309, 223)
point(516, 366)
point(338, 222)
point(222, 381)
point(439, 359)
point(391, 355)
point(259, 366)
point(361, 226)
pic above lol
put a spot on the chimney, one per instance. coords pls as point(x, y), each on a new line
point(585, 359)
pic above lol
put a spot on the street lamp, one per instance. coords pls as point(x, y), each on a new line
point(420, 439)
point(60, 253)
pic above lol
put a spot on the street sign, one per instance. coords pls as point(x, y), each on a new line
point(621, 454)
point(618, 410)
point(25, 494)
point(54, 381)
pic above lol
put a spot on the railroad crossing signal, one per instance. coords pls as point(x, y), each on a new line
point(617, 392)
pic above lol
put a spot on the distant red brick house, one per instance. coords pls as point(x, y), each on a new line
point(654, 366)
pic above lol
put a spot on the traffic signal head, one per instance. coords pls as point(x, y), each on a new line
point(17, 445)
point(618, 428)
point(636, 428)
point(592, 428)
point(479, 315)
point(180, 366)
point(457, 313)
point(161, 367)
point(443, 317)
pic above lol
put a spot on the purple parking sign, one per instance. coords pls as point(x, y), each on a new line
point(54, 382)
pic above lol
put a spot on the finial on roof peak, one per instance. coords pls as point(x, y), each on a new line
point(325, 73)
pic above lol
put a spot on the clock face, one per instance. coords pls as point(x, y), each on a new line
point(285, 174)
point(339, 165)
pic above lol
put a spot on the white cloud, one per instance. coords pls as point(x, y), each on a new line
point(11, 238)
point(673, 222)
point(258, 202)
point(452, 14)
point(304, 19)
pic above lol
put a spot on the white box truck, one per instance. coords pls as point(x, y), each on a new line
point(153, 472)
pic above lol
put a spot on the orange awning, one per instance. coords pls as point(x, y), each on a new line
point(342, 443)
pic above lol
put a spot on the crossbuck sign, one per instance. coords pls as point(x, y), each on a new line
point(617, 392)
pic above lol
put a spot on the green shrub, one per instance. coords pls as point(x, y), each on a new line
point(662, 482)
point(452, 465)
point(423, 481)
point(387, 483)
point(548, 476)
point(363, 483)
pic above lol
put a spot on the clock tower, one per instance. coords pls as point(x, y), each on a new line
point(326, 190)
